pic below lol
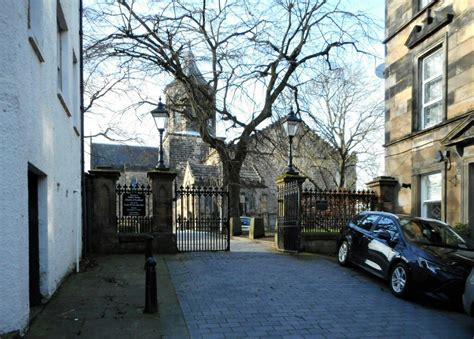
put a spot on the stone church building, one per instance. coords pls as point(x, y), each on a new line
point(198, 164)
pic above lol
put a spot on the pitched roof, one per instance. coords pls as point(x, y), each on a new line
point(120, 156)
point(205, 174)
point(249, 176)
point(212, 174)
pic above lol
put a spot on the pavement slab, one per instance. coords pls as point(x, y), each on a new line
point(250, 292)
point(254, 291)
point(107, 301)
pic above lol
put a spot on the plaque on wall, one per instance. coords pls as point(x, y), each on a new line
point(321, 205)
point(133, 204)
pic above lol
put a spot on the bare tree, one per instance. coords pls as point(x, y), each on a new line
point(347, 112)
point(103, 81)
point(254, 56)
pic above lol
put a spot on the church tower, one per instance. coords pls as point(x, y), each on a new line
point(183, 142)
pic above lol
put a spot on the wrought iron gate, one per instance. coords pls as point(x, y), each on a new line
point(202, 219)
point(134, 209)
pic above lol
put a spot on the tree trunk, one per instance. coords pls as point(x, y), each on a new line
point(231, 174)
point(342, 171)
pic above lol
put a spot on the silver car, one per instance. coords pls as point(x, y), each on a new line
point(468, 297)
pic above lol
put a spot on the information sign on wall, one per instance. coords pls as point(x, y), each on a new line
point(133, 204)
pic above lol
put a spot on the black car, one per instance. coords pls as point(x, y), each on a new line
point(411, 253)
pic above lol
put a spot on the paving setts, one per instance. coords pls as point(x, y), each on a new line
point(253, 292)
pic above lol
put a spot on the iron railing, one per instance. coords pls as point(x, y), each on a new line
point(330, 211)
point(134, 209)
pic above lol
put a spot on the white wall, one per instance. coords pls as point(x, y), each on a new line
point(35, 129)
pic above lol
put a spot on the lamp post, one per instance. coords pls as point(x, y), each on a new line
point(160, 116)
point(291, 124)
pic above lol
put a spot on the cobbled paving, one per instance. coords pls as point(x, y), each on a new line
point(254, 292)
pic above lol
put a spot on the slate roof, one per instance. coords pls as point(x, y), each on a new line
point(132, 157)
point(250, 177)
point(207, 175)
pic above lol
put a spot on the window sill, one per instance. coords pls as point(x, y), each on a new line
point(427, 130)
point(63, 103)
point(36, 46)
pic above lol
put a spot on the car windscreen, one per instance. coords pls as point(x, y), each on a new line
point(432, 233)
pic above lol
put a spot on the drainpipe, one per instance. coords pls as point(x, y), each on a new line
point(445, 197)
point(447, 167)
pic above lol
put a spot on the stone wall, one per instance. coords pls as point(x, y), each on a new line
point(319, 243)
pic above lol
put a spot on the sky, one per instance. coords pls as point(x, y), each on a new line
point(139, 124)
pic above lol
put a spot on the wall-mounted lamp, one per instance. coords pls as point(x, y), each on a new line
point(444, 157)
point(405, 185)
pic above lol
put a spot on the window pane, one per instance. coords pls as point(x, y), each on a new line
point(432, 114)
point(433, 210)
point(433, 65)
point(423, 3)
point(433, 186)
point(368, 222)
point(386, 224)
point(433, 90)
point(431, 196)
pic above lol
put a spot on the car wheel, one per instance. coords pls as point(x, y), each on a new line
point(343, 254)
point(399, 280)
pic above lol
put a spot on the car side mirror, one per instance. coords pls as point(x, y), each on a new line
point(384, 235)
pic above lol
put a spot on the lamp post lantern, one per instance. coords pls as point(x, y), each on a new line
point(291, 124)
point(160, 116)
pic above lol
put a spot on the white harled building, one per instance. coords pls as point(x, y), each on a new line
point(40, 153)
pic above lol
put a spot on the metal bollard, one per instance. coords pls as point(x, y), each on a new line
point(149, 247)
point(151, 300)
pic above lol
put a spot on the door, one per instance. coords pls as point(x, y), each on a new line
point(381, 251)
point(33, 240)
point(361, 237)
point(470, 199)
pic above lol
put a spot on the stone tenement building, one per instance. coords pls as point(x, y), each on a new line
point(429, 82)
